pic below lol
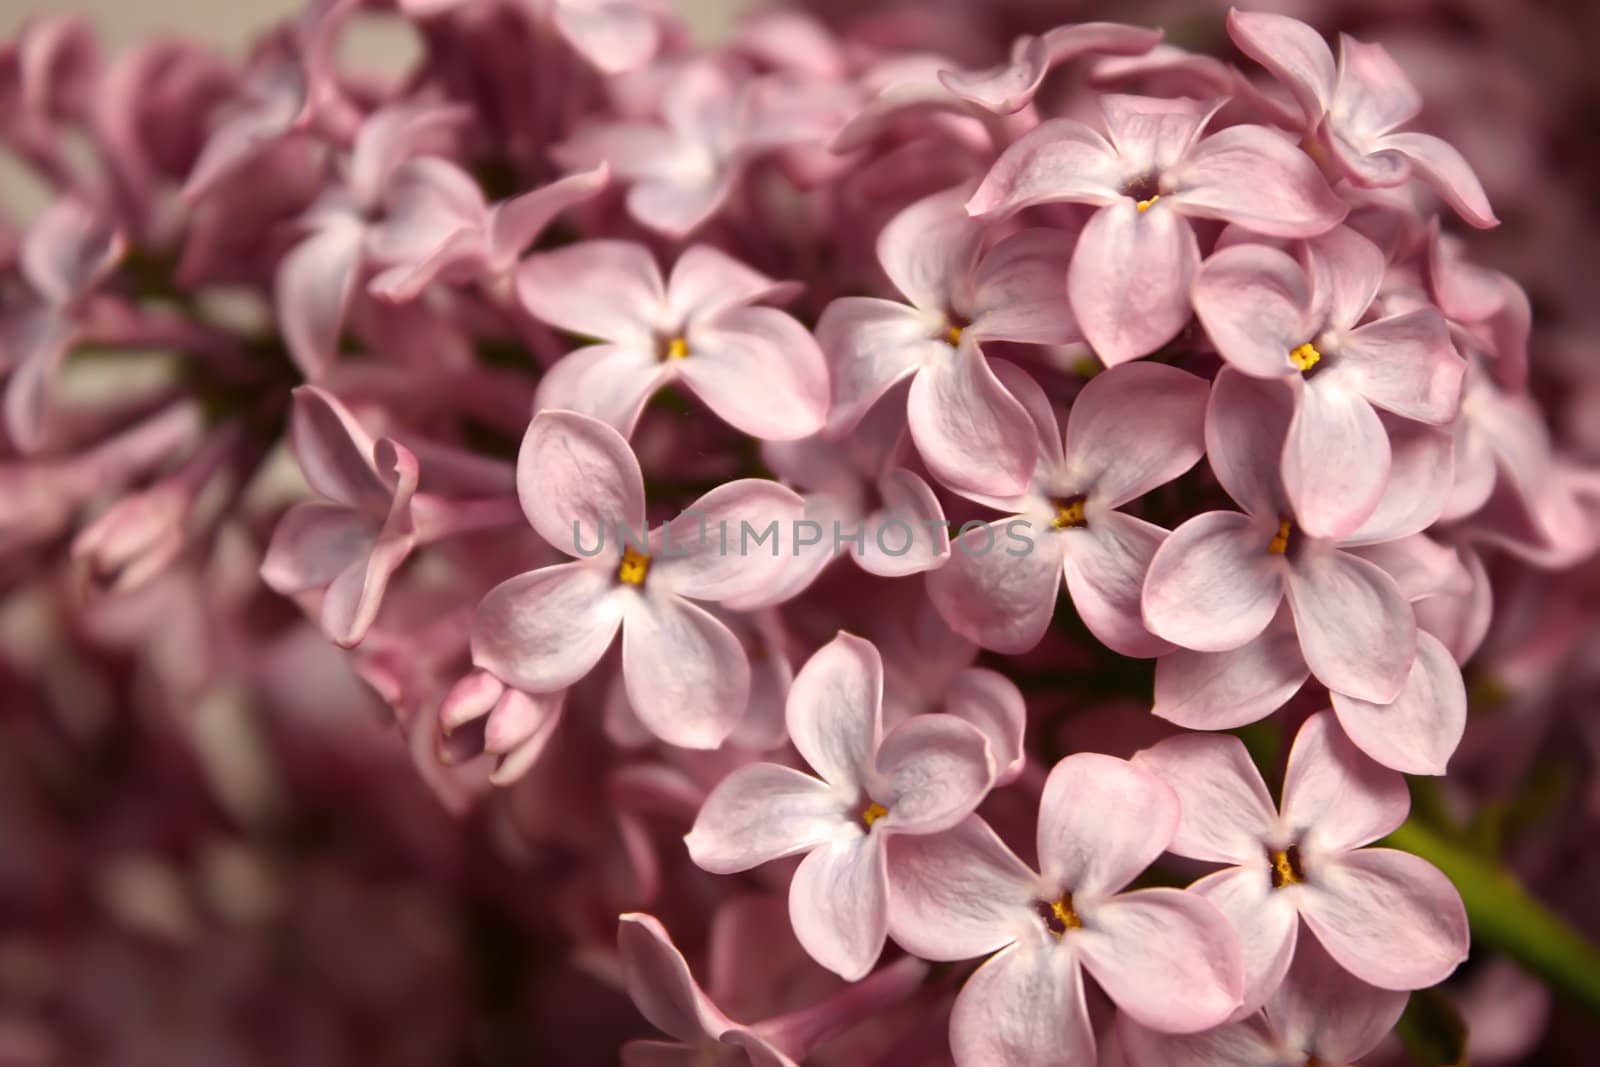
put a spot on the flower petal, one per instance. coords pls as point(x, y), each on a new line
point(544, 630)
point(957, 894)
point(871, 344)
point(1257, 178)
point(1166, 957)
point(516, 223)
point(1335, 798)
point(1247, 421)
point(659, 982)
point(607, 289)
point(1293, 52)
point(614, 37)
point(993, 703)
point(610, 382)
point(1134, 428)
point(910, 504)
point(1025, 1007)
point(1266, 920)
point(930, 772)
point(972, 433)
point(1356, 629)
point(839, 904)
point(1419, 731)
point(929, 249)
point(1324, 1009)
point(579, 484)
point(1212, 585)
point(1130, 277)
point(705, 554)
point(1226, 810)
point(999, 588)
point(1254, 302)
point(315, 282)
point(687, 675)
point(1061, 159)
point(1407, 365)
point(1335, 460)
point(1448, 171)
point(706, 281)
point(1105, 565)
point(1388, 917)
point(760, 371)
point(1102, 821)
point(1019, 288)
point(313, 543)
point(1221, 690)
point(835, 710)
point(762, 812)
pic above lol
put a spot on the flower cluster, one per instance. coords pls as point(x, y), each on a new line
point(946, 494)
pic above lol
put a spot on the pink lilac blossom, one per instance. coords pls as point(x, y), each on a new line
point(421, 490)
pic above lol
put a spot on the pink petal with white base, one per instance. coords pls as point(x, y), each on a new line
point(971, 432)
point(611, 290)
point(1295, 53)
point(871, 344)
point(929, 249)
point(761, 372)
point(1265, 919)
point(1335, 796)
point(1226, 811)
point(546, 629)
point(1102, 821)
point(1134, 428)
point(1213, 585)
point(1407, 365)
point(706, 281)
point(695, 561)
point(839, 904)
point(1257, 178)
point(1389, 918)
point(1253, 300)
point(578, 480)
point(1017, 289)
point(762, 812)
point(1335, 460)
point(931, 771)
point(1130, 277)
point(1356, 629)
point(1000, 601)
point(910, 501)
point(1222, 690)
point(993, 703)
point(1419, 731)
point(835, 708)
point(1105, 566)
point(610, 382)
point(1025, 1007)
point(956, 894)
point(1166, 957)
point(1061, 159)
point(687, 674)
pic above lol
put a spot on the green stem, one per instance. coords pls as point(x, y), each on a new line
point(1506, 917)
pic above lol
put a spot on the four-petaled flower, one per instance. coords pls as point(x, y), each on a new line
point(921, 777)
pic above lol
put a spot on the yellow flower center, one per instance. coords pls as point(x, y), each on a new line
point(1069, 514)
point(953, 335)
point(633, 568)
point(872, 813)
point(1286, 869)
point(1280, 540)
point(677, 348)
point(1305, 357)
point(1144, 205)
point(1057, 915)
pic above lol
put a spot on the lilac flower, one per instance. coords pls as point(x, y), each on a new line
point(922, 777)
point(755, 367)
point(516, 727)
point(1306, 325)
point(1165, 957)
point(687, 675)
point(1388, 917)
point(350, 225)
point(371, 518)
point(1354, 111)
point(972, 433)
point(1319, 1013)
point(64, 257)
point(1130, 430)
point(614, 35)
point(1130, 273)
point(1216, 583)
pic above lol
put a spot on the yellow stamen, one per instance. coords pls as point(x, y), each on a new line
point(1286, 867)
point(678, 348)
point(1280, 540)
point(872, 813)
point(1057, 915)
point(633, 568)
point(1305, 357)
point(1144, 205)
point(1069, 514)
point(953, 335)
